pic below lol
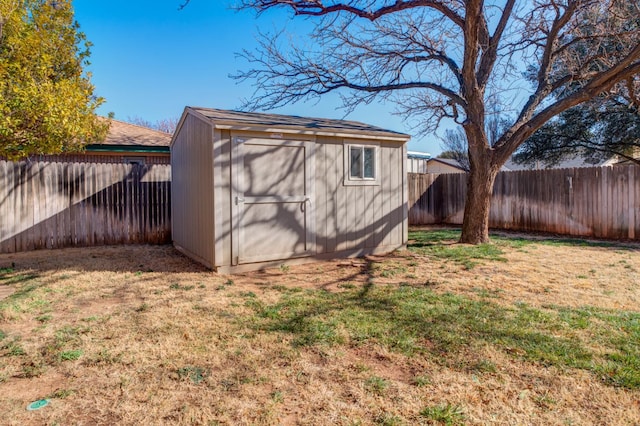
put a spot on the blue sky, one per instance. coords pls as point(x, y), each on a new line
point(151, 60)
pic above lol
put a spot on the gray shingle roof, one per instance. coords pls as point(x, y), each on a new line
point(256, 119)
point(448, 161)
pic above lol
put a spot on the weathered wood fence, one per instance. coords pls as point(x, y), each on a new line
point(58, 204)
point(602, 202)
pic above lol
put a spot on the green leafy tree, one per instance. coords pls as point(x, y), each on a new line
point(47, 105)
point(595, 131)
point(606, 126)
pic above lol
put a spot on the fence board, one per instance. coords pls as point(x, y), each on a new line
point(57, 204)
point(599, 202)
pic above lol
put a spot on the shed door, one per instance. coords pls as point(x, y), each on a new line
point(273, 199)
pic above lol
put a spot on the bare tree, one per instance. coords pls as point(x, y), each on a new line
point(455, 144)
point(452, 59)
point(166, 125)
point(455, 148)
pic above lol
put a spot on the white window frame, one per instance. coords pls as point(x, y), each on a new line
point(357, 181)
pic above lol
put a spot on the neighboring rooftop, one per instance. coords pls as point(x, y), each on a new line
point(228, 118)
point(571, 163)
point(121, 133)
point(418, 154)
point(448, 161)
point(454, 163)
point(132, 138)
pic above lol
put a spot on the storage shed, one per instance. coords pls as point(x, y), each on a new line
point(252, 190)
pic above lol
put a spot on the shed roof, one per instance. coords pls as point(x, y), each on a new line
point(229, 119)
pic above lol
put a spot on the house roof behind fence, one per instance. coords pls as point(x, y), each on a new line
point(570, 163)
point(263, 121)
point(127, 138)
point(447, 161)
point(121, 133)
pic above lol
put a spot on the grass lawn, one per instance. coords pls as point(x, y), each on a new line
point(520, 331)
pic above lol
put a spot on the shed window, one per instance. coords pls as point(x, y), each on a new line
point(361, 164)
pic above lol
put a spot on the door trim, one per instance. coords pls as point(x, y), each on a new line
point(238, 200)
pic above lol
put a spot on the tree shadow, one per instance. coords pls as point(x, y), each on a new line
point(55, 205)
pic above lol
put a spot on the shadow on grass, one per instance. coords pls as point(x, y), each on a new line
point(13, 279)
point(447, 236)
point(24, 287)
point(121, 258)
point(452, 329)
point(443, 244)
point(20, 281)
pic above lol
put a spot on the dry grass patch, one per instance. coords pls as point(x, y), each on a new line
point(518, 332)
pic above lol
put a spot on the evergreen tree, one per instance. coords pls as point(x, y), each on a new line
point(608, 125)
point(595, 131)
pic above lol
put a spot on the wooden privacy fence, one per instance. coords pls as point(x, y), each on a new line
point(602, 202)
point(58, 204)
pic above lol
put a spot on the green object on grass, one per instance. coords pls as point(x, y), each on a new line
point(36, 405)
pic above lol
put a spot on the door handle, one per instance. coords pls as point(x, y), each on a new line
point(239, 200)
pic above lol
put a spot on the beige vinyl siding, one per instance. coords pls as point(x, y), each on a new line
point(388, 184)
point(405, 198)
point(192, 194)
point(222, 195)
point(323, 210)
point(352, 218)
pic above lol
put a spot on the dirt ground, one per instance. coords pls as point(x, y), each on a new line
point(146, 318)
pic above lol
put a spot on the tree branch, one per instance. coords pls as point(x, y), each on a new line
point(601, 83)
point(544, 88)
point(318, 8)
point(490, 55)
point(472, 92)
point(585, 144)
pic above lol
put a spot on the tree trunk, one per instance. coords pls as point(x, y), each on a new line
point(475, 225)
